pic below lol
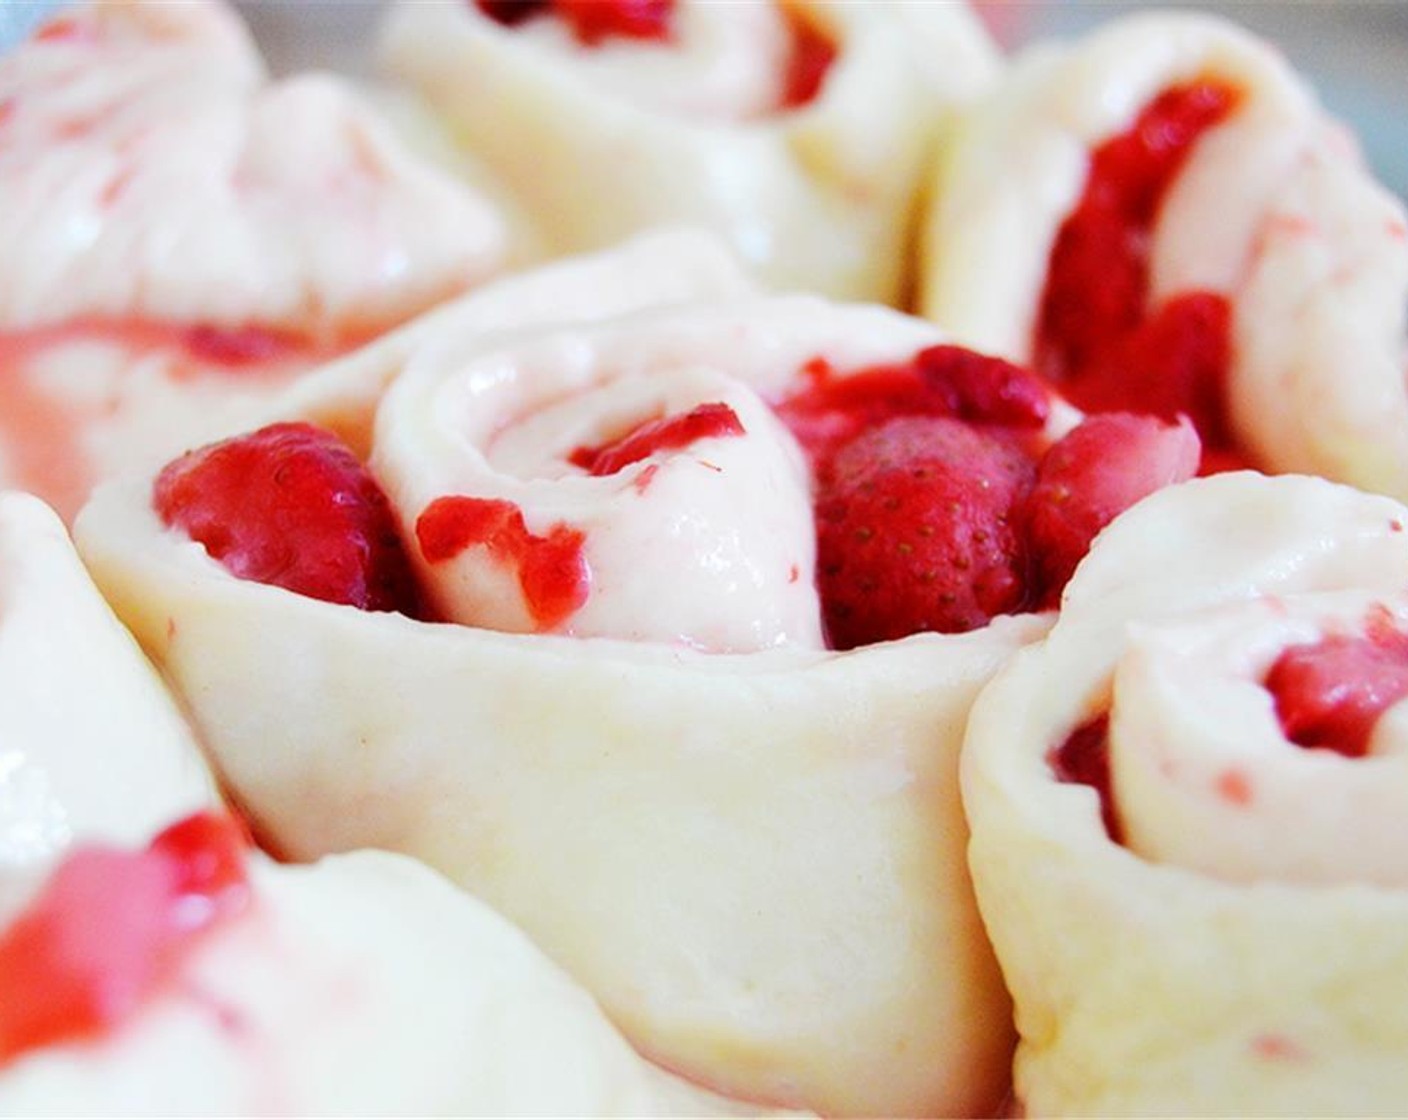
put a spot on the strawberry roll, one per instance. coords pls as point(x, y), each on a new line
point(1182, 229)
point(180, 236)
point(796, 130)
point(1183, 803)
point(93, 746)
point(672, 619)
point(193, 977)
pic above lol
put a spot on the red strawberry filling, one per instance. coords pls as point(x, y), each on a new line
point(937, 509)
point(1330, 694)
point(810, 61)
point(1089, 477)
point(669, 433)
point(241, 347)
point(594, 21)
point(1327, 695)
point(552, 569)
point(1096, 334)
point(935, 506)
point(1083, 758)
point(290, 505)
point(591, 21)
point(111, 927)
point(248, 350)
point(831, 407)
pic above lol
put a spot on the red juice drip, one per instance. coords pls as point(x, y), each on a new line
point(552, 569)
point(707, 421)
point(1330, 694)
point(1096, 334)
point(110, 927)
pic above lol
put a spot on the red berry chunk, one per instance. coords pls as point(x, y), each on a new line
point(66, 29)
point(511, 13)
point(291, 506)
point(983, 389)
point(594, 20)
point(242, 346)
point(707, 421)
point(1093, 474)
point(915, 531)
point(552, 569)
point(938, 381)
point(591, 21)
point(110, 927)
point(1096, 334)
point(1331, 693)
point(813, 53)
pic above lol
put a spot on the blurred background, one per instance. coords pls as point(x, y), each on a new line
point(1354, 51)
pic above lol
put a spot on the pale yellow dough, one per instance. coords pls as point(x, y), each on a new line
point(755, 861)
point(1242, 954)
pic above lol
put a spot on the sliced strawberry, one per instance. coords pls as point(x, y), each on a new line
point(290, 505)
point(1331, 693)
point(666, 433)
point(914, 531)
point(1091, 475)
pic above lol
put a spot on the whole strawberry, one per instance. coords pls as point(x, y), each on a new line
point(290, 505)
point(915, 530)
